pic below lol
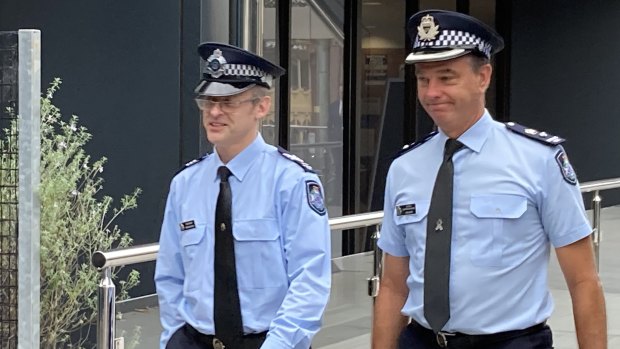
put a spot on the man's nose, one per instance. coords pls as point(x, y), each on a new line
point(433, 89)
point(216, 108)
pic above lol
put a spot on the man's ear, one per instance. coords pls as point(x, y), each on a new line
point(485, 76)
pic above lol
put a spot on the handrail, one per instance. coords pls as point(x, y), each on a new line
point(124, 256)
point(603, 184)
point(596, 187)
point(146, 253)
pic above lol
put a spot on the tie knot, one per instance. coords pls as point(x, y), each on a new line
point(452, 146)
point(223, 172)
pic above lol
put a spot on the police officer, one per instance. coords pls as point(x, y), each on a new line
point(472, 210)
point(244, 259)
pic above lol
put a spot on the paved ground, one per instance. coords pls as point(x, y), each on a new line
point(347, 320)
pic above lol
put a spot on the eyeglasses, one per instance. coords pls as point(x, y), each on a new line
point(225, 105)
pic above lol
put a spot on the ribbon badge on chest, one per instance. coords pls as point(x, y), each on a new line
point(439, 225)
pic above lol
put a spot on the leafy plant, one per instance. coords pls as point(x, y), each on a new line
point(76, 220)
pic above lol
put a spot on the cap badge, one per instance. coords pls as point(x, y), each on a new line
point(215, 64)
point(428, 30)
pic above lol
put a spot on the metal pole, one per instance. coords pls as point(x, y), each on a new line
point(29, 154)
point(106, 321)
point(375, 280)
point(596, 223)
point(260, 26)
point(246, 39)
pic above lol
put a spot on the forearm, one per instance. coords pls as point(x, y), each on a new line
point(388, 322)
point(590, 315)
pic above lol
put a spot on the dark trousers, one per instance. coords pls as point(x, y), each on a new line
point(418, 337)
point(187, 337)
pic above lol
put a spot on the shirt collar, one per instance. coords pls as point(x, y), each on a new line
point(241, 163)
point(475, 136)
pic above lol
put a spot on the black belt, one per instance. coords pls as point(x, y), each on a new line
point(473, 340)
point(247, 341)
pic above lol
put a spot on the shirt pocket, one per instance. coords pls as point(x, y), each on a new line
point(414, 226)
point(192, 252)
point(258, 254)
point(492, 212)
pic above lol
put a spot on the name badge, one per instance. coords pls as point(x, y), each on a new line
point(404, 210)
point(188, 225)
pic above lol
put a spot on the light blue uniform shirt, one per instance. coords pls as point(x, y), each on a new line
point(282, 247)
point(511, 202)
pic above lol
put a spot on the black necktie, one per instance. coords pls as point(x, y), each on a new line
point(226, 308)
point(438, 238)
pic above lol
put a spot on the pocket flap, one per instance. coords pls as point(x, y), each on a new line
point(498, 206)
point(255, 230)
point(193, 236)
point(421, 211)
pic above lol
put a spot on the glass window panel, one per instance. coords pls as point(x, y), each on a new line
point(383, 52)
point(269, 125)
point(315, 75)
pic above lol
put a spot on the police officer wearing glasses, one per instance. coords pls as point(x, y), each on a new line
point(244, 259)
point(472, 210)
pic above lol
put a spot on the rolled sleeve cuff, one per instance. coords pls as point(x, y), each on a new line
point(575, 235)
point(395, 250)
point(272, 342)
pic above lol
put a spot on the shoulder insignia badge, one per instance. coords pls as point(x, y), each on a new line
point(315, 197)
point(565, 167)
point(191, 163)
point(408, 147)
point(539, 136)
point(296, 159)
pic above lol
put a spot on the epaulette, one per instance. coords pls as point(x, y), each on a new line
point(540, 136)
point(296, 159)
point(192, 163)
point(409, 147)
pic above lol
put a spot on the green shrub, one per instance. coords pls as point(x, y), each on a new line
point(77, 219)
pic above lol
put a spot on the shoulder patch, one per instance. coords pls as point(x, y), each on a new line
point(408, 147)
point(314, 197)
point(565, 167)
point(296, 159)
point(192, 163)
point(539, 136)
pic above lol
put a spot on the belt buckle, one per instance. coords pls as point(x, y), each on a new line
point(442, 341)
point(218, 344)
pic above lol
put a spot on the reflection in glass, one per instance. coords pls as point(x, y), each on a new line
point(315, 75)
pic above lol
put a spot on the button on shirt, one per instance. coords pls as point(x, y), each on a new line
point(510, 204)
point(282, 248)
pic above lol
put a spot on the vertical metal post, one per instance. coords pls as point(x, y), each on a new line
point(260, 26)
point(596, 224)
point(106, 321)
point(375, 281)
point(29, 143)
point(244, 18)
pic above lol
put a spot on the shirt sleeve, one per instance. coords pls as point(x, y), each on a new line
point(306, 244)
point(562, 211)
point(392, 238)
point(169, 273)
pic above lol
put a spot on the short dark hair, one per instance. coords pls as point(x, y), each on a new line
point(477, 61)
point(260, 91)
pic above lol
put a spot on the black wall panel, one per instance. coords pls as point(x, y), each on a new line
point(127, 73)
point(565, 79)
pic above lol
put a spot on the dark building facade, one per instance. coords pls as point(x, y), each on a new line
point(347, 103)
